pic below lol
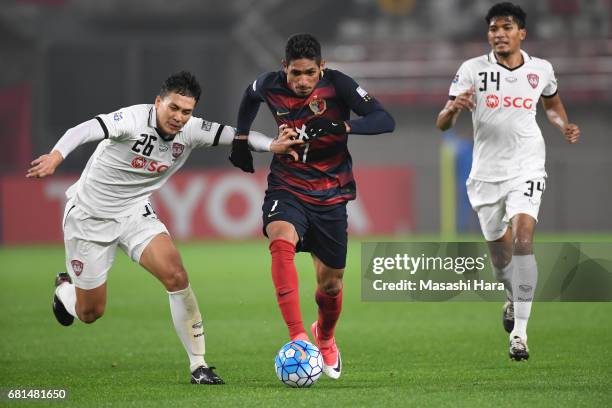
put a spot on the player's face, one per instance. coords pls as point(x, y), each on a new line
point(173, 112)
point(505, 36)
point(303, 75)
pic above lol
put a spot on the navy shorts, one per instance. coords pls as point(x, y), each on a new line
point(322, 230)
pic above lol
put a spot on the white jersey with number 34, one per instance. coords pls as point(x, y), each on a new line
point(507, 140)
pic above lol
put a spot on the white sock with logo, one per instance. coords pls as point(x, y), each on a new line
point(523, 287)
point(188, 324)
point(66, 292)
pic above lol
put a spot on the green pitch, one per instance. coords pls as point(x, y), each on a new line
point(395, 354)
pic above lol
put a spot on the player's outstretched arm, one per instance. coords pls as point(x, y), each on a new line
point(449, 114)
point(281, 144)
point(258, 142)
point(46, 164)
point(242, 146)
point(555, 111)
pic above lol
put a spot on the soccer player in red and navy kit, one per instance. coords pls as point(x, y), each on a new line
point(305, 203)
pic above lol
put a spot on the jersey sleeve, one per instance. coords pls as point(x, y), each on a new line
point(202, 133)
point(550, 89)
point(249, 105)
point(374, 119)
point(120, 124)
point(356, 98)
point(89, 131)
point(462, 81)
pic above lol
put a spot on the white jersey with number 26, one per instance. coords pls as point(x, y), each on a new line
point(133, 160)
point(507, 140)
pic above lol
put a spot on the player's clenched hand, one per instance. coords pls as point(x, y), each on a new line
point(571, 133)
point(241, 156)
point(464, 100)
point(284, 142)
point(45, 165)
point(319, 126)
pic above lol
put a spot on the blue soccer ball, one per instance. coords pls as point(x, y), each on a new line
point(298, 364)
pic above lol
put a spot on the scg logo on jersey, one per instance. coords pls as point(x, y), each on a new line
point(518, 102)
point(153, 166)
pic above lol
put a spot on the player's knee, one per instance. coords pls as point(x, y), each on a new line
point(523, 245)
point(331, 287)
point(90, 314)
point(175, 278)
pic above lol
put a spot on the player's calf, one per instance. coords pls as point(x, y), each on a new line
point(285, 278)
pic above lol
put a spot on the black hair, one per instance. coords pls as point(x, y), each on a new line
point(507, 9)
point(183, 83)
point(302, 46)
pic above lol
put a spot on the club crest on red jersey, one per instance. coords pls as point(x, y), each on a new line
point(77, 266)
point(317, 106)
point(177, 149)
point(139, 162)
point(534, 80)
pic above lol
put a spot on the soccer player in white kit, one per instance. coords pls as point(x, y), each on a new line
point(505, 186)
point(139, 148)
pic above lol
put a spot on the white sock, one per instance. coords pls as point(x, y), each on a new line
point(504, 275)
point(188, 324)
point(523, 286)
point(66, 293)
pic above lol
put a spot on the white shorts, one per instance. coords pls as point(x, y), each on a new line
point(91, 242)
point(496, 203)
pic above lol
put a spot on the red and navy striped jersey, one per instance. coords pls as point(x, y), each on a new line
point(323, 175)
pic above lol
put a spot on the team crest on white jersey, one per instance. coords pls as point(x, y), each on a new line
point(177, 149)
point(318, 106)
point(77, 266)
point(118, 116)
point(534, 80)
point(492, 101)
point(139, 162)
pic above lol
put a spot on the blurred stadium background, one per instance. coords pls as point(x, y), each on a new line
point(66, 61)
